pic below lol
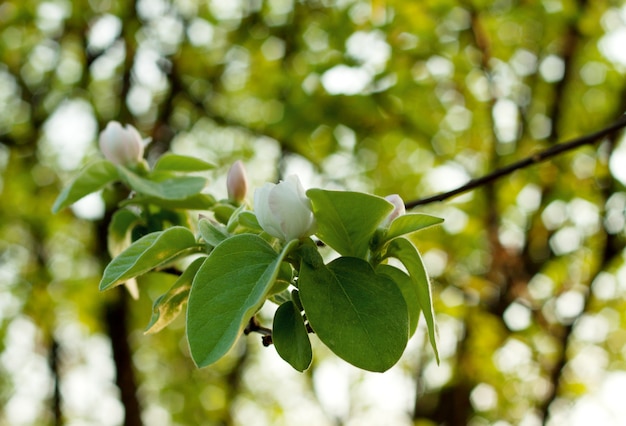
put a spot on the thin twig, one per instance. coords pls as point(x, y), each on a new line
point(533, 159)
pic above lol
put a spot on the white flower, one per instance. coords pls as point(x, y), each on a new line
point(283, 210)
point(121, 146)
point(399, 209)
point(237, 182)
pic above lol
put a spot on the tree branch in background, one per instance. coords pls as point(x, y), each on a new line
point(117, 322)
point(546, 154)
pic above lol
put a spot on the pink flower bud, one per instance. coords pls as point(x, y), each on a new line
point(398, 210)
point(121, 146)
point(237, 182)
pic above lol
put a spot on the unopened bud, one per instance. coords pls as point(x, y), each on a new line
point(237, 182)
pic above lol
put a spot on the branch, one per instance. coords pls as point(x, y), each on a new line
point(533, 159)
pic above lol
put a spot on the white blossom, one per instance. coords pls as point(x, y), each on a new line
point(283, 210)
point(121, 146)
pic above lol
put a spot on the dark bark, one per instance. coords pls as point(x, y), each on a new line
point(116, 317)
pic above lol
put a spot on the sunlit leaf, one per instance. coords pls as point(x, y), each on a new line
point(169, 305)
point(173, 188)
point(409, 223)
point(149, 252)
point(119, 231)
point(403, 250)
point(181, 163)
point(346, 221)
point(90, 179)
point(193, 202)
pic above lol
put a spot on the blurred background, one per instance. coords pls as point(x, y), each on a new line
point(383, 96)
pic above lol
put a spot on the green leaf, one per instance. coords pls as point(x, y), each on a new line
point(409, 291)
point(403, 250)
point(169, 305)
point(290, 336)
point(212, 233)
point(228, 289)
point(149, 252)
point(409, 223)
point(174, 188)
point(120, 227)
point(360, 315)
point(181, 163)
point(223, 212)
point(248, 220)
point(90, 179)
point(193, 202)
point(346, 221)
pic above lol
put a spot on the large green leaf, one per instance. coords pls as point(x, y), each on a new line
point(409, 223)
point(181, 163)
point(228, 289)
point(403, 250)
point(173, 188)
point(90, 179)
point(149, 252)
point(346, 221)
point(169, 305)
point(360, 315)
point(290, 336)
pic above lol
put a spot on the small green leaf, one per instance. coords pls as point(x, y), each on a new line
point(169, 305)
point(403, 250)
point(360, 315)
point(346, 221)
point(248, 220)
point(212, 233)
point(409, 223)
point(90, 179)
point(149, 252)
point(290, 337)
point(181, 163)
point(120, 227)
point(409, 291)
point(228, 289)
point(223, 212)
point(173, 188)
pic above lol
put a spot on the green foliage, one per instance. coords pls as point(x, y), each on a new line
point(228, 289)
point(150, 251)
point(449, 91)
point(170, 188)
point(409, 223)
point(170, 162)
point(359, 315)
point(403, 250)
point(290, 336)
point(92, 178)
point(347, 220)
point(170, 304)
